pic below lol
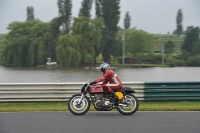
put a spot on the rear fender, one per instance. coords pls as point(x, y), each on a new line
point(128, 90)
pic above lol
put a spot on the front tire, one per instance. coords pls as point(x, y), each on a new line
point(77, 109)
point(131, 103)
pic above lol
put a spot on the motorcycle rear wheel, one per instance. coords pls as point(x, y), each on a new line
point(76, 109)
point(132, 105)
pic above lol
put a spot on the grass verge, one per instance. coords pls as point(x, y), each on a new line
point(62, 106)
point(170, 106)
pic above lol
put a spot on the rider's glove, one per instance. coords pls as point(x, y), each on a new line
point(93, 82)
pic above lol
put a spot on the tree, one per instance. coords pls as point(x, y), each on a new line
point(174, 32)
point(127, 21)
point(51, 37)
point(169, 47)
point(196, 49)
point(86, 8)
point(137, 41)
point(30, 13)
point(37, 50)
point(179, 20)
point(29, 43)
point(64, 7)
point(18, 42)
point(96, 32)
point(44, 37)
point(89, 32)
point(189, 28)
point(109, 11)
point(191, 39)
point(98, 6)
point(67, 50)
point(184, 55)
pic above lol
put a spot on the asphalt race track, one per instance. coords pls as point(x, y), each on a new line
point(100, 122)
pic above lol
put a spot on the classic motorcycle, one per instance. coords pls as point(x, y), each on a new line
point(79, 104)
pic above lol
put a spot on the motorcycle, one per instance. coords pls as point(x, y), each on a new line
point(79, 104)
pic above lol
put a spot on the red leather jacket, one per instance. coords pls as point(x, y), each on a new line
point(111, 78)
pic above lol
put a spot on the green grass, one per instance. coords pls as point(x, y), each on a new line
point(158, 44)
point(62, 106)
point(159, 40)
point(170, 106)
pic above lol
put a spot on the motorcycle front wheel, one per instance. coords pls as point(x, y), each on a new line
point(77, 108)
point(130, 105)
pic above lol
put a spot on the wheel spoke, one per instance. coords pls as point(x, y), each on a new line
point(78, 107)
point(130, 105)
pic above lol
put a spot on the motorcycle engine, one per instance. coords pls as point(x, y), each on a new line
point(101, 101)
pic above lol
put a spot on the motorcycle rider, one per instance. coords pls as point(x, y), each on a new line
point(111, 82)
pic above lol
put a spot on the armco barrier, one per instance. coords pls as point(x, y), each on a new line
point(39, 92)
point(181, 91)
point(148, 91)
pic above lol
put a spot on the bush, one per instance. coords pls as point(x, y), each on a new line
point(172, 62)
point(194, 61)
point(157, 59)
point(181, 63)
point(176, 62)
point(119, 60)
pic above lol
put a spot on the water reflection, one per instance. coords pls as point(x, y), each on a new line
point(82, 74)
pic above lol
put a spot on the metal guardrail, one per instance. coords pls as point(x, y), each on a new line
point(166, 91)
point(41, 92)
point(147, 91)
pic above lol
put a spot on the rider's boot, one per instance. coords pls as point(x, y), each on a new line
point(115, 98)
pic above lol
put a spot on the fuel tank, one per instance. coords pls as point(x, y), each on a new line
point(96, 89)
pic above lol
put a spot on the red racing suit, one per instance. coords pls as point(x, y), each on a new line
point(111, 80)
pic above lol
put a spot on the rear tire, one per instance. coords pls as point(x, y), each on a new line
point(132, 105)
point(76, 109)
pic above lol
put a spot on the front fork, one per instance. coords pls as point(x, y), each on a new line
point(82, 97)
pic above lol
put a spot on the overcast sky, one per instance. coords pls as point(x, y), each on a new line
point(153, 16)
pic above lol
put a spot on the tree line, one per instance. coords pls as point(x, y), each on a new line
point(31, 42)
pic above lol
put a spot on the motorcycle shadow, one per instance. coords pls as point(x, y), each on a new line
point(103, 113)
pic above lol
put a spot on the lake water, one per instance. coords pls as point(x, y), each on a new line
point(62, 75)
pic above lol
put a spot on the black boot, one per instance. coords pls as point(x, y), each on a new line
point(115, 98)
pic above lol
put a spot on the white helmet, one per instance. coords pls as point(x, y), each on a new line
point(104, 67)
